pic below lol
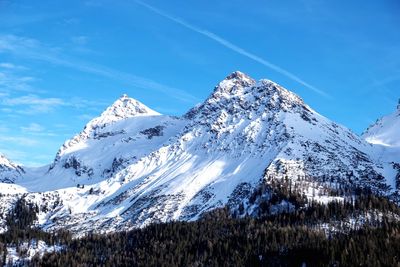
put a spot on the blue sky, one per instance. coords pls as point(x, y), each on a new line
point(63, 62)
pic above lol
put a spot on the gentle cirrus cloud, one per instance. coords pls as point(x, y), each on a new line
point(34, 49)
point(34, 104)
point(33, 127)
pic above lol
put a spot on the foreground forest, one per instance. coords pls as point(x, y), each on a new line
point(314, 235)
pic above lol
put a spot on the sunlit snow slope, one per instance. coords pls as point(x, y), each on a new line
point(133, 166)
point(385, 136)
point(9, 171)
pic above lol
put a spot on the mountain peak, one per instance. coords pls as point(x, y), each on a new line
point(234, 81)
point(126, 107)
point(123, 108)
point(123, 97)
point(4, 160)
point(238, 84)
point(385, 130)
point(237, 75)
point(9, 171)
point(239, 93)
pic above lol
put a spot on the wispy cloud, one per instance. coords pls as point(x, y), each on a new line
point(11, 82)
point(233, 47)
point(32, 127)
point(33, 104)
point(33, 100)
point(35, 129)
point(33, 49)
point(24, 141)
point(7, 65)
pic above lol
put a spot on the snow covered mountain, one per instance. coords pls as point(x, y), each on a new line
point(123, 133)
point(133, 166)
point(9, 171)
point(385, 131)
point(385, 136)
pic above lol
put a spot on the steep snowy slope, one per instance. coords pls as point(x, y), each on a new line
point(386, 131)
point(385, 136)
point(9, 171)
point(134, 168)
point(123, 133)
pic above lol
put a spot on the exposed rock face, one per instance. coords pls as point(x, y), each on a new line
point(9, 171)
point(117, 133)
point(140, 167)
point(120, 110)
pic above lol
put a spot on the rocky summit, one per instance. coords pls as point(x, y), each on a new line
point(133, 166)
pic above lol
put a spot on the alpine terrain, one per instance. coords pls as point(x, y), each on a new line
point(9, 171)
point(133, 166)
point(385, 136)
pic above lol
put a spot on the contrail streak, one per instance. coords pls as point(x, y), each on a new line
point(232, 47)
point(31, 48)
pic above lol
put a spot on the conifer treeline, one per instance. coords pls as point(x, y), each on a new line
point(308, 235)
point(232, 242)
point(219, 239)
point(20, 228)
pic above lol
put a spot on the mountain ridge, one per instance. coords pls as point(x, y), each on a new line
point(9, 171)
point(385, 136)
point(132, 166)
point(121, 109)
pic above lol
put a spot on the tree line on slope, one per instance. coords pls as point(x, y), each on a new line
point(20, 228)
point(220, 240)
point(313, 234)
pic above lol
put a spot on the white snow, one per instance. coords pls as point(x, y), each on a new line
point(28, 250)
point(135, 166)
point(9, 171)
point(385, 131)
point(385, 136)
